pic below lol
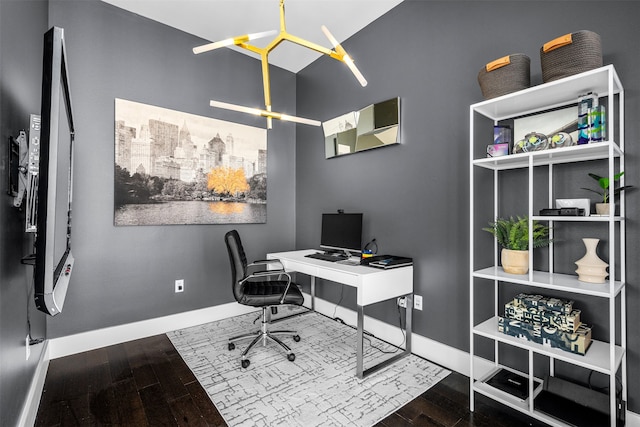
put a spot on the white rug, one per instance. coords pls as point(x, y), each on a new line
point(318, 389)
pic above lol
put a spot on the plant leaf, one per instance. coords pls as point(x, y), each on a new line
point(513, 233)
point(592, 190)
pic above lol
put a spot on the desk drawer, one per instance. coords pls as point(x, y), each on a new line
point(339, 276)
point(386, 285)
point(300, 267)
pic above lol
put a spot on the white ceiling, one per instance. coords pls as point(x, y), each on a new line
point(215, 20)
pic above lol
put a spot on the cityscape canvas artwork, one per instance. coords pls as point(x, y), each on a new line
point(178, 168)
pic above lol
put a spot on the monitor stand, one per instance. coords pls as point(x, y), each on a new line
point(338, 252)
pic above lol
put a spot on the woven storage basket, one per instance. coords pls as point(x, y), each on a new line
point(505, 75)
point(570, 54)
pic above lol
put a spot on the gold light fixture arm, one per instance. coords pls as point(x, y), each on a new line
point(338, 53)
point(345, 57)
point(264, 113)
point(283, 25)
point(266, 83)
point(313, 46)
point(239, 40)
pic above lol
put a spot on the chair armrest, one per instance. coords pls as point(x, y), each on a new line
point(270, 272)
point(267, 262)
point(267, 273)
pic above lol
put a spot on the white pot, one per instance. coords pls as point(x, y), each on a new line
point(602, 208)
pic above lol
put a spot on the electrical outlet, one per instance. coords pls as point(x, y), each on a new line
point(28, 346)
point(417, 302)
point(179, 285)
point(402, 302)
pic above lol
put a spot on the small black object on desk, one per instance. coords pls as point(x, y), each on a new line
point(387, 261)
point(331, 257)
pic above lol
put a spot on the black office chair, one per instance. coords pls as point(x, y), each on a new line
point(260, 287)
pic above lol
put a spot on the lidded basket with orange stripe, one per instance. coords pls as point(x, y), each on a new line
point(570, 54)
point(508, 74)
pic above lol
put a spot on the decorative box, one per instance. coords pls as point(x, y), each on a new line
point(577, 342)
point(505, 75)
point(570, 54)
point(565, 322)
point(538, 301)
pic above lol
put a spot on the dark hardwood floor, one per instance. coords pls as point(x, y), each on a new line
point(146, 383)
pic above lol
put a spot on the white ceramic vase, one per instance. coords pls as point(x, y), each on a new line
point(591, 268)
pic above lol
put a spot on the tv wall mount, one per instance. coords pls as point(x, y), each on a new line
point(18, 168)
point(24, 165)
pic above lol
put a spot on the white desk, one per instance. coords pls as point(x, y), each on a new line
point(372, 285)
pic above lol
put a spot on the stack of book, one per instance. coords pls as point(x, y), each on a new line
point(548, 321)
point(390, 261)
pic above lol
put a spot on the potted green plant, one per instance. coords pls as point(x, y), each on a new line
point(603, 207)
point(513, 235)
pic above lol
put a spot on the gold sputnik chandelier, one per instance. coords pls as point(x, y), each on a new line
point(337, 53)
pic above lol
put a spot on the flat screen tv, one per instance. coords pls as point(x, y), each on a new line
point(341, 232)
point(53, 258)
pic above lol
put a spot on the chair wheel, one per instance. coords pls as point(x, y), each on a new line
point(245, 363)
point(291, 357)
point(232, 346)
point(296, 338)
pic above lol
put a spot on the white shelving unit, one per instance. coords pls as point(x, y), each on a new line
point(605, 355)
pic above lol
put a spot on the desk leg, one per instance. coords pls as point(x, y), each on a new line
point(360, 371)
point(408, 325)
point(360, 344)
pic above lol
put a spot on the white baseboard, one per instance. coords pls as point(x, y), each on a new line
point(442, 354)
point(91, 340)
point(30, 407)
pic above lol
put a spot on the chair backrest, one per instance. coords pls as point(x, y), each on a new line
point(238, 261)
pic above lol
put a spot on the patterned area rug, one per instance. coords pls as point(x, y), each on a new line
point(318, 389)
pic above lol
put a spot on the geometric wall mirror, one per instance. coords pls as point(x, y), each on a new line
point(375, 126)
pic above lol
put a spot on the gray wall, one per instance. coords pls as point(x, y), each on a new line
point(415, 195)
point(126, 274)
point(22, 25)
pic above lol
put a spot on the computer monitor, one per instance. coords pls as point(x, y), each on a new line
point(342, 232)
